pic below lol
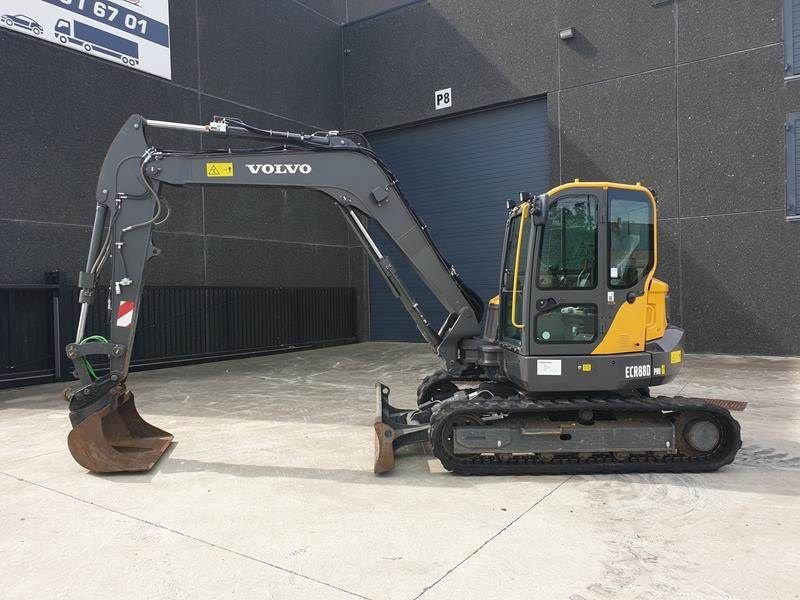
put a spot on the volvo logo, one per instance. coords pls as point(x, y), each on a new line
point(280, 169)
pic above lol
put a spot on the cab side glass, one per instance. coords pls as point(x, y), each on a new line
point(630, 237)
point(569, 244)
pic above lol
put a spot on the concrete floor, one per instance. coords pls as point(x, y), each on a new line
point(268, 493)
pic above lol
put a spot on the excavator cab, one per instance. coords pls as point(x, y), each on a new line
point(578, 280)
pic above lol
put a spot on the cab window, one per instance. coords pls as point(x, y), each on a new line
point(630, 237)
point(569, 245)
point(567, 324)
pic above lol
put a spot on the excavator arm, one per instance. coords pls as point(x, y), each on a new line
point(108, 434)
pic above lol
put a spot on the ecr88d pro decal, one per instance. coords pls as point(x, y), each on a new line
point(637, 371)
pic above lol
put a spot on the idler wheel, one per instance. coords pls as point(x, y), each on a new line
point(703, 435)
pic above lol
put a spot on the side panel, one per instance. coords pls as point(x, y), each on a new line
point(565, 373)
point(656, 309)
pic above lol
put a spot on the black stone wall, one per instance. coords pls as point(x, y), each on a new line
point(687, 96)
point(345, 11)
point(276, 64)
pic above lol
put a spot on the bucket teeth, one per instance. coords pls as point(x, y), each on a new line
point(117, 439)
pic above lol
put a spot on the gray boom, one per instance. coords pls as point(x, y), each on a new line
point(128, 206)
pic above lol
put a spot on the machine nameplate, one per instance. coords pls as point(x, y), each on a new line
point(548, 367)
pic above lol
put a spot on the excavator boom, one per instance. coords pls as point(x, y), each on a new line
point(128, 206)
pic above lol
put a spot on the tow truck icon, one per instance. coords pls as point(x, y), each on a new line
point(92, 39)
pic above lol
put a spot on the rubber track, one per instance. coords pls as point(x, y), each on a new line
point(602, 462)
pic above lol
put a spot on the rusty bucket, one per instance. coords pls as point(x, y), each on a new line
point(116, 438)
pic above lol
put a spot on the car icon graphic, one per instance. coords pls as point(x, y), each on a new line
point(22, 22)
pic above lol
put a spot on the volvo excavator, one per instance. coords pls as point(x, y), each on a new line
point(558, 378)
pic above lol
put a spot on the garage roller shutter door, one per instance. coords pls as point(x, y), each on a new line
point(457, 174)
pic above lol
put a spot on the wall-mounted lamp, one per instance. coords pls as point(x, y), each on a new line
point(567, 34)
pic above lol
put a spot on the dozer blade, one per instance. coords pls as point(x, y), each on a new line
point(384, 433)
point(394, 428)
point(116, 438)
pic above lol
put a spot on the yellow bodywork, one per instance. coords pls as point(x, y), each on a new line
point(645, 318)
point(634, 324)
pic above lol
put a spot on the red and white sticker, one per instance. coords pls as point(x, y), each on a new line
point(125, 313)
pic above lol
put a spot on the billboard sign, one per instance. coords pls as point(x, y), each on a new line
point(133, 33)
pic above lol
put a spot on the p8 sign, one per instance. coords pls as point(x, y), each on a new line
point(443, 98)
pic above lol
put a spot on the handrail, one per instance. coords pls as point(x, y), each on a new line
point(523, 216)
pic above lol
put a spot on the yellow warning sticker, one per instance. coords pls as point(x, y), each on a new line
point(585, 367)
point(217, 169)
point(675, 356)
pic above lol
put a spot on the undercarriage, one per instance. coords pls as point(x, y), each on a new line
point(493, 430)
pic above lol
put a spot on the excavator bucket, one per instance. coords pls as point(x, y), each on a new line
point(116, 439)
point(394, 428)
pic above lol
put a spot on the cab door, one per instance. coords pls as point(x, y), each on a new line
point(514, 283)
point(568, 297)
point(630, 253)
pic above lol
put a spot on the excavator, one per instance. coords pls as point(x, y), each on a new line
point(558, 378)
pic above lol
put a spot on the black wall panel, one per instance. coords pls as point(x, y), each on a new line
point(613, 38)
point(335, 10)
point(362, 9)
point(396, 61)
point(609, 133)
point(713, 27)
point(732, 140)
point(740, 278)
point(276, 56)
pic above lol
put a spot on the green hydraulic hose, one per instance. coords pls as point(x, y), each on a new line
point(92, 338)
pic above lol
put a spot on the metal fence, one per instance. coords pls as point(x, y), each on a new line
point(176, 325)
point(29, 333)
